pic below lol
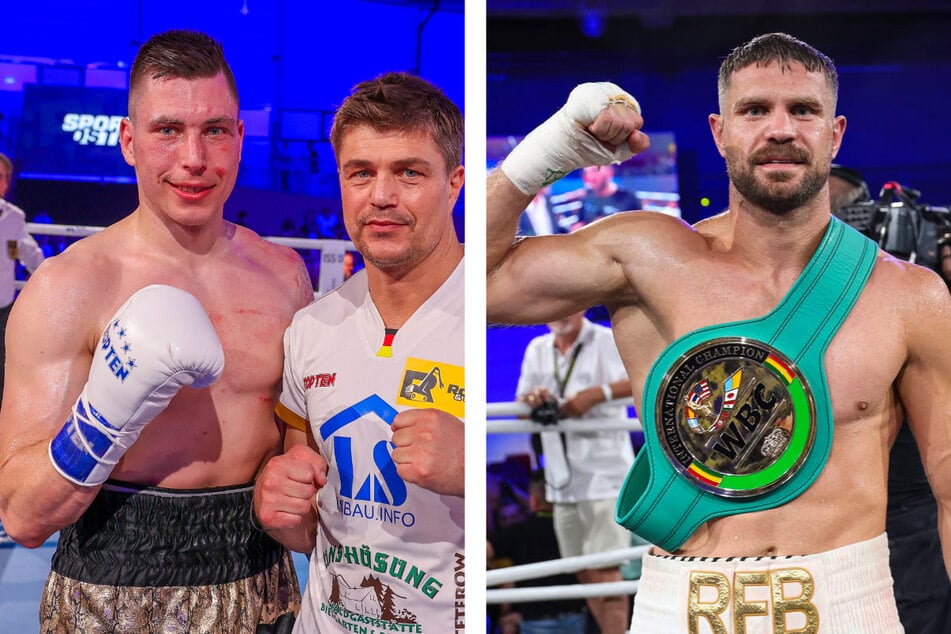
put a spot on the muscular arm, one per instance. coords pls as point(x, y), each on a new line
point(535, 280)
point(49, 339)
point(540, 279)
point(925, 390)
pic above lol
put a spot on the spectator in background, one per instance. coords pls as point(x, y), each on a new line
point(328, 224)
point(575, 371)
point(50, 245)
point(599, 196)
point(352, 262)
point(528, 541)
point(846, 187)
point(19, 245)
point(604, 197)
point(922, 589)
point(537, 219)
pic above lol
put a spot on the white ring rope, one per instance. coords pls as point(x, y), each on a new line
point(522, 425)
point(504, 424)
point(332, 246)
point(74, 231)
point(80, 231)
point(563, 565)
point(557, 593)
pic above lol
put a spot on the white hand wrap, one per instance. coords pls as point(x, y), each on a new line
point(562, 144)
point(158, 341)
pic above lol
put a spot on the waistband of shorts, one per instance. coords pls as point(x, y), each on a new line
point(118, 486)
point(855, 569)
point(151, 536)
point(848, 589)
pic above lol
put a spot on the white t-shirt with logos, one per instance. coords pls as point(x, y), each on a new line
point(389, 554)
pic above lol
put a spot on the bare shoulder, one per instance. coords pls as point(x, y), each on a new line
point(253, 245)
point(644, 222)
point(643, 229)
point(914, 299)
point(917, 293)
point(910, 286)
point(281, 263)
point(67, 299)
point(80, 275)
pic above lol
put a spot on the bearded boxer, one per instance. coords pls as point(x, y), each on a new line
point(373, 381)
point(143, 366)
point(749, 340)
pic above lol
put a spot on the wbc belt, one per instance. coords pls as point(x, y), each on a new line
point(737, 416)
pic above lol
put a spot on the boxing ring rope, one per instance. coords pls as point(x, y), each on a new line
point(331, 249)
point(510, 418)
point(72, 231)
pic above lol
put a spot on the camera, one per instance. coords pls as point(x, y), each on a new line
point(546, 413)
point(900, 225)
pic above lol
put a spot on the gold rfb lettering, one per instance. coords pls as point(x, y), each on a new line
point(781, 599)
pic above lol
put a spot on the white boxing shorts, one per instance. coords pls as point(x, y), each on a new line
point(843, 591)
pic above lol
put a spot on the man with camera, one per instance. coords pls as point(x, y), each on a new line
point(574, 371)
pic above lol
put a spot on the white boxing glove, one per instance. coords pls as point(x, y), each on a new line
point(562, 144)
point(159, 340)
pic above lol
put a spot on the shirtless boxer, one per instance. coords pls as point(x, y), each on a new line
point(745, 465)
point(154, 517)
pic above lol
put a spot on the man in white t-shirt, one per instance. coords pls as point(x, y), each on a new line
point(374, 393)
point(577, 365)
point(18, 244)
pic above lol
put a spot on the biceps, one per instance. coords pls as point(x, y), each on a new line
point(546, 278)
point(39, 390)
point(926, 393)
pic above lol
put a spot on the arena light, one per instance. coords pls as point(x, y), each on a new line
point(592, 22)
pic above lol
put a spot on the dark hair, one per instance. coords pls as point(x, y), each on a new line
point(776, 47)
point(852, 176)
point(405, 102)
point(856, 192)
point(179, 54)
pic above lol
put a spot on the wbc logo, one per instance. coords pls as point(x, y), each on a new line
point(735, 417)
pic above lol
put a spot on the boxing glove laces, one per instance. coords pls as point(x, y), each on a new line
point(159, 341)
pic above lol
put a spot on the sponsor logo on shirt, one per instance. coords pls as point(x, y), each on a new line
point(432, 384)
point(324, 379)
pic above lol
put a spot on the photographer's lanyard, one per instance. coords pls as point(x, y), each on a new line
point(562, 384)
point(557, 470)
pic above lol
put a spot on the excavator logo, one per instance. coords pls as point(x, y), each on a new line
point(418, 387)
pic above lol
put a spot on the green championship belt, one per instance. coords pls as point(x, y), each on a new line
point(737, 416)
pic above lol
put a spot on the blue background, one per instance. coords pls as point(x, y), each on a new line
point(294, 61)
